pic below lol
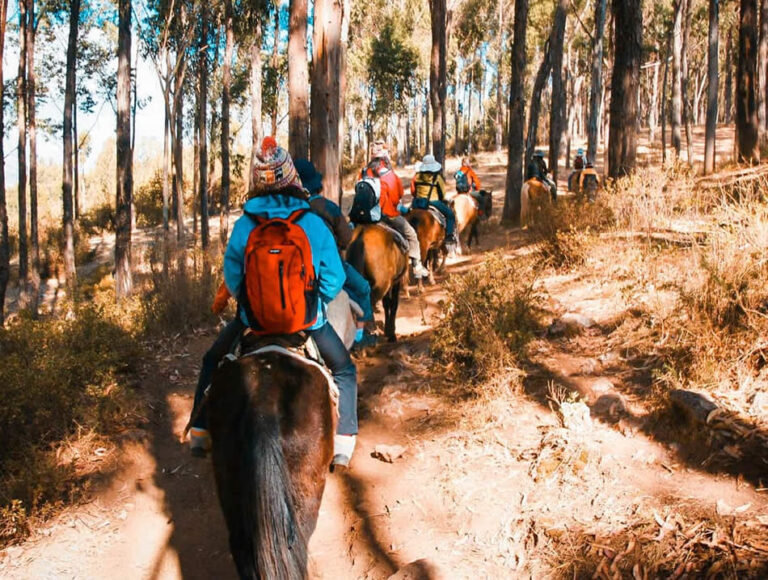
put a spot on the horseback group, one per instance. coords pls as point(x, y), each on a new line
point(276, 398)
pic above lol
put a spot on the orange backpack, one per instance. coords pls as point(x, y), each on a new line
point(279, 292)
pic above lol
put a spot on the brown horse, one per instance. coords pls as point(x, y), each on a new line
point(374, 253)
point(272, 420)
point(533, 189)
point(431, 235)
point(468, 209)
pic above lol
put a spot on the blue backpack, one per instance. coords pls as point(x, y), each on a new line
point(462, 181)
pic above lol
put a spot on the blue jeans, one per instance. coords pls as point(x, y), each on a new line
point(359, 290)
point(337, 359)
point(220, 347)
point(450, 217)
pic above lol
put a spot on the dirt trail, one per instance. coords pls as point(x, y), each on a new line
point(475, 498)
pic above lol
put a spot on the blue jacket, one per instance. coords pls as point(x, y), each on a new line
point(325, 255)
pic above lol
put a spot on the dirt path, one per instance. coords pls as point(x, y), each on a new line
point(497, 490)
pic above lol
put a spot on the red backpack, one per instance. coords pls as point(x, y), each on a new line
point(279, 292)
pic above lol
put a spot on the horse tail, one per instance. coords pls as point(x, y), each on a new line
point(524, 203)
point(277, 545)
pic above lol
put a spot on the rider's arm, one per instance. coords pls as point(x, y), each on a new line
point(234, 257)
point(474, 179)
point(329, 271)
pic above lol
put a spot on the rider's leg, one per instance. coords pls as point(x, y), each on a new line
point(199, 439)
point(552, 188)
point(414, 250)
point(450, 220)
point(338, 361)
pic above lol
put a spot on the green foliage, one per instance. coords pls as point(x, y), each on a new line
point(148, 201)
point(392, 62)
point(490, 315)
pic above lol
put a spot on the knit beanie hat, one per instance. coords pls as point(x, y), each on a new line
point(273, 169)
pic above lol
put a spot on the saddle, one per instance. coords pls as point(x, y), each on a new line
point(399, 238)
point(438, 215)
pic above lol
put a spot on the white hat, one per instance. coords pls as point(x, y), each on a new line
point(429, 165)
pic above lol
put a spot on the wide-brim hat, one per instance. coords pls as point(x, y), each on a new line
point(311, 178)
point(429, 164)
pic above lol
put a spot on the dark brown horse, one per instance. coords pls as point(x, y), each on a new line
point(374, 253)
point(469, 210)
point(272, 421)
point(431, 235)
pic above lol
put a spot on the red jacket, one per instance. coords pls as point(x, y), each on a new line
point(391, 188)
point(474, 181)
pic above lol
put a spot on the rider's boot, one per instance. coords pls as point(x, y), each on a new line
point(419, 271)
point(343, 447)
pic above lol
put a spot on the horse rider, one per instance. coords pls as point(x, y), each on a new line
point(472, 178)
point(391, 193)
point(428, 188)
point(277, 192)
point(537, 169)
point(580, 161)
point(356, 286)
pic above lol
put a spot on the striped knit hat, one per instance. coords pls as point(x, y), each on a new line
point(273, 169)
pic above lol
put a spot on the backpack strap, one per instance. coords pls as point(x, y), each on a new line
point(293, 218)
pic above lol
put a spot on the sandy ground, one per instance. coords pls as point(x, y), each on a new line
point(495, 498)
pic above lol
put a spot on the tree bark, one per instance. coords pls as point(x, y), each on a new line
point(437, 76)
point(557, 110)
point(78, 208)
point(256, 70)
point(628, 43)
point(226, 82)
point(203, 114)
point(746, 106)
point(178, 155)
point(69, 99)
point(533, 114)
point(34, 238)
point(4, 239)
point(123, 275)
point(654, 105)
point(712, 81)
point(298, 79)
point(21, 123)
point(684, 84)
point(677, 58)
point(326, 95)
point(762, 71)
point(514, 180)
point(499, 92)
point(195, 162)
point(664, 99)
point(596, 82)
point(728, 117)
point(275, 53)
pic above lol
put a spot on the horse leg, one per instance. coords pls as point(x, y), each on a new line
point(390, 302)
point(473, 233)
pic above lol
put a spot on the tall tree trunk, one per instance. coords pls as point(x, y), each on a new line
point(746, 107)
point(514, 181)
point(762, 71)
point(326, 94)
point(195, 163)
point(274, 63)
point(69, 100)
point(628, 43)
point(684, 85)
point(499, 92)
point(5, 256)
point(76, 157)
point(557, 110)
point(34, 238)
point(596, 82)
point(298, 79)
point(178, 155)
point(256, 70)
point(437, 73)
point(123, 275)
point(226, 82)
point(21, 123)
point(534, 110)
point(664, 98)
point(203, 115)
point(712, 81)
point(456, 111)
point(654, 106)
point(677, 58)
point(167, 168)
point(728, 117)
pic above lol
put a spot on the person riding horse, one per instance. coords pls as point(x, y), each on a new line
point(277, 193)
point(472, 179)
point(537, 169)
point(428, 188)
point(391, 194)
point(357, 287)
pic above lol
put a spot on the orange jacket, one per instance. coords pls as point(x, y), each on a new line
point(474, 180)
point(391, 188)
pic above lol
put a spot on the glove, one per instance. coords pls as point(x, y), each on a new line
point(220, 302)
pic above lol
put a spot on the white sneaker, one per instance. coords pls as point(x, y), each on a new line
point(343, 447)
point(419, 271)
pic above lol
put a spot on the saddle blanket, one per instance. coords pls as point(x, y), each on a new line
point(438, 215)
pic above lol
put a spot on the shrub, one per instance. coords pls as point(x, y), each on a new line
point(490, 315)
point(563, 229)
point(148, 202)
point(98, 219)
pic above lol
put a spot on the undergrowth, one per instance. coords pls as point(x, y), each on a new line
point(490, 314)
